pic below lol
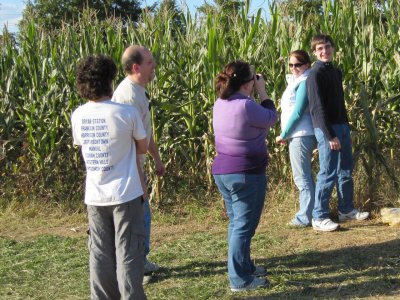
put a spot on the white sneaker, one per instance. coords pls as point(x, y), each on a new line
point(146, 279)
point(150, 267)
point(353, 215)
point(296, 224)
point(255, 284)
point(324, 225)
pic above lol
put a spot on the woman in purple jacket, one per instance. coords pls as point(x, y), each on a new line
point(240, 127)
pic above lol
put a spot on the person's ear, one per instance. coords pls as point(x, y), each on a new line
point(135, 68)
point(248, 85)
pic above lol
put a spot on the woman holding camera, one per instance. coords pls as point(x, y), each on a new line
point(298, 130)
point(240, 127)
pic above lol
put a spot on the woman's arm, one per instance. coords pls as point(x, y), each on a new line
point(261, 115)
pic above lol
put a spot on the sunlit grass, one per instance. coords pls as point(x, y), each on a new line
point(302, 264)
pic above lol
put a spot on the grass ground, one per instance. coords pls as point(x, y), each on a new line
point(43, 255)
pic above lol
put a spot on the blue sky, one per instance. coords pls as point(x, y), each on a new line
point(10, 13)
point(11, 10)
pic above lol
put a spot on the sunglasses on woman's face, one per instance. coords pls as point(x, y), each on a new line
point(298, 65)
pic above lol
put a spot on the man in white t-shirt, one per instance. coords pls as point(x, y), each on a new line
point(111, 136)
point(139, 65)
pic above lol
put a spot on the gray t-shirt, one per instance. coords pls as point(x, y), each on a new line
point(129, 92)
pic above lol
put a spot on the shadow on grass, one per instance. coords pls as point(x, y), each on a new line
point(193, 269)
point(361, 271)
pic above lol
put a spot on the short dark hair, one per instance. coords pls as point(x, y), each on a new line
point(301, 55)
point(321, 39)
point(233, 76)
point(133, 57)
point(94, 76)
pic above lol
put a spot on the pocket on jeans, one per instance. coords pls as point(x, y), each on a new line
point(234, 180)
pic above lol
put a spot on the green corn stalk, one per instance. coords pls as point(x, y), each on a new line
point(37, 83)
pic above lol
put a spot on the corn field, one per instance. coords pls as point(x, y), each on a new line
point(37, 93)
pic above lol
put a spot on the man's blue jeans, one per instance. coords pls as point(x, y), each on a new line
point(300, 151)
point(147, 227)
point(336, 167)
point(244, 196)
point(147, 223)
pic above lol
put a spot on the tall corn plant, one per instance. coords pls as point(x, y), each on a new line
point(11, 129)
point(38, 94)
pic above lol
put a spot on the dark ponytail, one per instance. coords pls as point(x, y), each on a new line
point(233, 76)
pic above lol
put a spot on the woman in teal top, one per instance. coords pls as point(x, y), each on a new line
point(298, 131)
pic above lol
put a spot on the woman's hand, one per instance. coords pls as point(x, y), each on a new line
point(259, 86)
point(281, 141)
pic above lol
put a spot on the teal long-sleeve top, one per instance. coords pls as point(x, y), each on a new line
point(299, 108)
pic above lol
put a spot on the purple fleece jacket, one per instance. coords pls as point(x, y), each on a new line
point(240, 128)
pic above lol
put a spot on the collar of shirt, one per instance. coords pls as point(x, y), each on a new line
point(148, 98)
point(322, 63)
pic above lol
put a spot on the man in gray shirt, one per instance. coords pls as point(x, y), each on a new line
point(139, 65)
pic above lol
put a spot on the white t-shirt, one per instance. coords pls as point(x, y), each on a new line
point(134, 94)
point(106, 131)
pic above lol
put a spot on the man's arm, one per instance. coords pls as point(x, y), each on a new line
point(315, 95)
point(141, 176)
point(141, 148)
point(155, 154)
